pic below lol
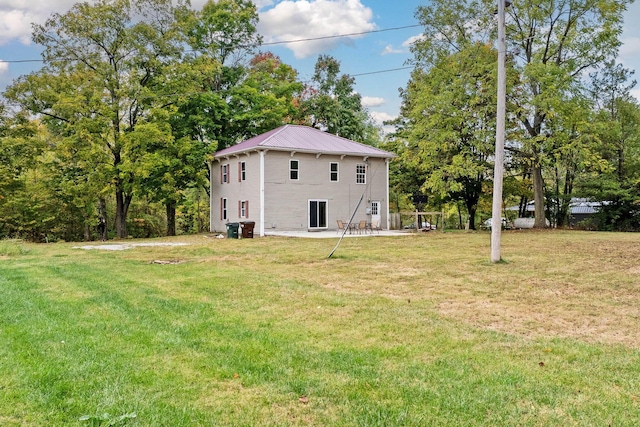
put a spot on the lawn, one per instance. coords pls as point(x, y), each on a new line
point(419, 330)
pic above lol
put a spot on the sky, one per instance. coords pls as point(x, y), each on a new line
point(368, 57)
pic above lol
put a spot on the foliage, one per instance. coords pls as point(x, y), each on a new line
point(452, 112)
point(331, 104)
point(557, 42)
point(101, 61)
point(615, 180)
point(552, 137)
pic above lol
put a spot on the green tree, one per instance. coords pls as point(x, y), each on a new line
point(451, 107)
point(557, 42)
point(223, 38)
point(101, 61)
point(551, 44)
point(331, 103)
point(615, 179)
point(20, 150)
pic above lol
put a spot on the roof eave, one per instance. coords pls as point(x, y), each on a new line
point(314, 152)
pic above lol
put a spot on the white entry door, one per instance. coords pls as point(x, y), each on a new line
point(375, 213)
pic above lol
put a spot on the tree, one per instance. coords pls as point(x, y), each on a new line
point(615, 179)
point(20, 149)
point(223, 38)
point(451, 108)
point(558, 41)
point(551, 44)
point(101, 60)
point(331, 103)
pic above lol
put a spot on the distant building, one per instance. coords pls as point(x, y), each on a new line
point(580, 209)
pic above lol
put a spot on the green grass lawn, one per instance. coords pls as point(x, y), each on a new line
point(391, 331)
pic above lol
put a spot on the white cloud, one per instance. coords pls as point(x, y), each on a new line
point(5, 78)
point(16, 24)
point(16, 16)
point(411, 40)
point(389, 50)
point(630, 47)
point(307, 19)
point(370, 101)
point(381, 117)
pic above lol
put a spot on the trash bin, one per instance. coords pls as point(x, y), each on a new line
point(247, 229)
point(232, 230)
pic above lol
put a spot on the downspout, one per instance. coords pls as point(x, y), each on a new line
point(262, 153)
point(387, 161)
point(210, 165)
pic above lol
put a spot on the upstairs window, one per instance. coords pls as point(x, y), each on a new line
point(361, 173)
point(224, 173)
point(242, 171)
point(333, 167)
point(294, 168)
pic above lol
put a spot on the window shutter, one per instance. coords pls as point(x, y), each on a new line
point(221, 174)
point(239, 208)
point(246, 208)
point(239, 171)
point(221, 208)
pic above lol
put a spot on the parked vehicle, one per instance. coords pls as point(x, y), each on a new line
point(487, 223)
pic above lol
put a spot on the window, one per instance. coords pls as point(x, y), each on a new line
point(293, 169)
point(243, 208)
point(375, 207)
point(224, 173)
point(242, 171)
point(223, 209)
point(361, 174)
point(334, 172)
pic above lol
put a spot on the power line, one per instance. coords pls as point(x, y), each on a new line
point(20, 61)
point(341, 35)
point(380, 71)
point(189, 94)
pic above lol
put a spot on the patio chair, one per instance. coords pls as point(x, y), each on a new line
point(362, 227)
point(375, 225)
point(341, 226)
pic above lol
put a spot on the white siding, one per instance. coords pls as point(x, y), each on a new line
point(286, 201)
point(235, 190)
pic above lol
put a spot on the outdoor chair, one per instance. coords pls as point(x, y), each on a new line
point(362, 226)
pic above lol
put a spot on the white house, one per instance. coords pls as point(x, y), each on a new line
point(299, 178)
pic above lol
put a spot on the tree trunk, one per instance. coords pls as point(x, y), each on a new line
point(171, 218)
point(472, 218)
point(538, 197)
point(102, 217)
point(122, 207)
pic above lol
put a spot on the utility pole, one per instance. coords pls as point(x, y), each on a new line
point(498, 169)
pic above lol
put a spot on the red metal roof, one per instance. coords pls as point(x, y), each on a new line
point(304, 139)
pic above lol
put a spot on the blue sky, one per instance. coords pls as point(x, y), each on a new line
point(284, 20)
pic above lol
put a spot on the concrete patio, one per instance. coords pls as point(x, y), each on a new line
point(333, 234)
